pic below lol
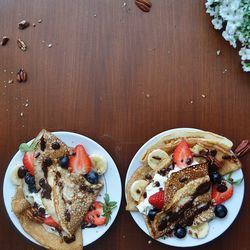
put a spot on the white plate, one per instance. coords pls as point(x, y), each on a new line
point(216, 226)
point(111, 179)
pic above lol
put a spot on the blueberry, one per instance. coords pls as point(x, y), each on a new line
point(180, 232)
point(32, 189)
point(220, 211)
point(21, 172)
point(64, 161)
point(222, 188)
point(152, 213)
point(29, 179)
point(215, 177)
point(92, 177)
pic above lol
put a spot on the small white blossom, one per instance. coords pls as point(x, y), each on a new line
point(233, 17)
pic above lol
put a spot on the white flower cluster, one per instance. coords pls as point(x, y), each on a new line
point(233, 16)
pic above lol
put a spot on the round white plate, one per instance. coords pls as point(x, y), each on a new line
point(216, 226)
point(111, 179)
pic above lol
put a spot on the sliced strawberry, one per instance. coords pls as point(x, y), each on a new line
point(80, 161)
point(94, 216)
point(157, 199)
point(222, 192)
point(50, 222)
point(182, 155)
point(28, 162)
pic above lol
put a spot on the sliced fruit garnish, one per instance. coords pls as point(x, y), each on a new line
point(28, 162)
point(156, 157)
point(199, 231)
point(157, 199)
point(137, 189)
point(222, 192)
point(94, 216)
point(182, 155)
point(50, 222)
point(79, 162)
point(99, 164)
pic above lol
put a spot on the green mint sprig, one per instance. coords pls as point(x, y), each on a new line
point(232, 181)
point(108, 206)
point(24, 147)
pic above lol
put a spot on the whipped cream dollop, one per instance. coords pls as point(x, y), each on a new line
point(151, 189)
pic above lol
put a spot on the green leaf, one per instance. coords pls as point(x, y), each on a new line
point(112, 203)
point(24, 147)
point(238, 182)
point(106, 198)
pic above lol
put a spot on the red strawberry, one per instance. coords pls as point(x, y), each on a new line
point(222, 192)
point(182, 155)
point(50, 222)
point(80, 162)
point(28, 162)
point(157, 199)
point(94, 216)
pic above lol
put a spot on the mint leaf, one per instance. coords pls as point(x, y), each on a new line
point(108, 206)
point(238, 182)
point(24, 147)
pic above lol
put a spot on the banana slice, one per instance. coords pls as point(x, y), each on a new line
point(99, 164)
point(156, 157)
point(199, 231)
point(137, 189)
point(14, 177)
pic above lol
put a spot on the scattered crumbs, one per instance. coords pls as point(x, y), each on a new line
point(33, 24)
point(4, 70)
point(43, 41)
point(26, 105)
point(168, 51)
point(12, 72)
point(94, 15)
point(22, 126)
point(150, 242)
point(218, 52)
point(49, 45)
point(224, 71)
point(148, 95)
point(7, 110)
point(40, 20)
point(124, 5)
point(21, 114)
point(10, 81)
point(191, 101)
point(203, 96)
point(123, 236)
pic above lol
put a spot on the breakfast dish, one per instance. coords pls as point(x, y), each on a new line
point(180, 183)
point(60, 191)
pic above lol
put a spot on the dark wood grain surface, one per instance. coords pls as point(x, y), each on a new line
point(119, 76)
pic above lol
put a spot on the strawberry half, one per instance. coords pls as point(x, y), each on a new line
point(28, 162)
point(94, 216)
point(80, 161)
point(222, 192)
point(50, 222)
point(157, 199)
point(182, 155)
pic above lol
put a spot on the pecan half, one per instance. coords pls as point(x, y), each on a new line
point(21, 75)
point(143, 5)
point(23, 25)
point(21, 44)
point(4, 40)
point(242, 148)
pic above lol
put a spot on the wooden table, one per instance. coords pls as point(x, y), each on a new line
point(109, 71)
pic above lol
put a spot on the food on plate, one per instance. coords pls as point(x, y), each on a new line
point(183, 182)
point(56, 190)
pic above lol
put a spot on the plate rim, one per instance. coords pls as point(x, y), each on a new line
point(138, 153)
point(67, 133)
